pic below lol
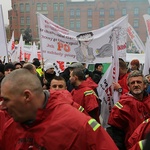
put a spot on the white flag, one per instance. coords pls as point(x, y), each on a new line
point(3, 40)
point(147, 60)
point(147, 22)
point(20, 50)
point(105, 90)
point(135, 39)
point(34, 53)
point(11, 48)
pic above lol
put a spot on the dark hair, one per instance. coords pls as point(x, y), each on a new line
point(98, 64)
point(59, 78)
point(122, 64)
point(82, 34)
point(9, 66)
point(79, 73)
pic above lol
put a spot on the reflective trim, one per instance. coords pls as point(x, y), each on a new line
point(94, 124)
point(141, 144)
point(81, 109)
point(86, 93)
point(118, 105)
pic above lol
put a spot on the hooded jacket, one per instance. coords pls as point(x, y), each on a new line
point(128, 113)
point(85, 96)
point(58, 126)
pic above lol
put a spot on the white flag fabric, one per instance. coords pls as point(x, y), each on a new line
point(34, 53)
point(12, 49)
point(61, 44)
point(105, 89)
point(147, 22)
point(20, 50)
point(3, 39)
point(135, 39)
point(147, 60)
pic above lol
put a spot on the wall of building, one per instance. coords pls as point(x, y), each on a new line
point(80, 16)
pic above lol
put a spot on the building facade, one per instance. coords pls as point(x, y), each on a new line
point(80, 16)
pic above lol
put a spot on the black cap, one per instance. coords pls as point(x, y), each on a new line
point(9, 66)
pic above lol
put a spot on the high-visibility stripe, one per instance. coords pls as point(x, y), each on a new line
point(118, 105)
point(146, 121)
point(141, 144)
point(94, 124)
point(81, 109)
point(88, 92)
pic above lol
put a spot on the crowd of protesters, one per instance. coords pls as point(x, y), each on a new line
point(42, 110)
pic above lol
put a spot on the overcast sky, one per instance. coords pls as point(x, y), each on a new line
point(6, 5)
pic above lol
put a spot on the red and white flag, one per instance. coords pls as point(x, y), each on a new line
point(12, 48)
point(34, 53)
point(20, 50)
point(135, 39)
point(105, 89)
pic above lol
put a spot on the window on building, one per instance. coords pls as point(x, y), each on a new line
point(72, 12)
point(21, 7)
point(136, 11)
point(62, 21)
point(148, 10)
point(71, 24)
point(78, 12)
point(111, 12)
point(136, 23)
point(38, 6)
point(55, 7)
point(101, 23)
point(78, 25)
point(28, 20)
point(102, 12)
point(124, 11)
point(22, 20)
point(56, 19)
point(27, 7)
point(61, 7)
point(44, 6)
point(89, 23)
point(89, 12)
point(21, 31)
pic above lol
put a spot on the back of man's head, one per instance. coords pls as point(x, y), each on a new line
point(79, 73)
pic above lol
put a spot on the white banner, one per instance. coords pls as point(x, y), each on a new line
point(58, 43)
point(3, 39)
point(135, 39)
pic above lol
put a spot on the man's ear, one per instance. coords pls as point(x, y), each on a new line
point(27, 95)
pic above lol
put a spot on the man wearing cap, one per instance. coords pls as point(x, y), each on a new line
point(8, 68)
point(49, 74)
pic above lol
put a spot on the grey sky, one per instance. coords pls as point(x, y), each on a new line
point(6, 5)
